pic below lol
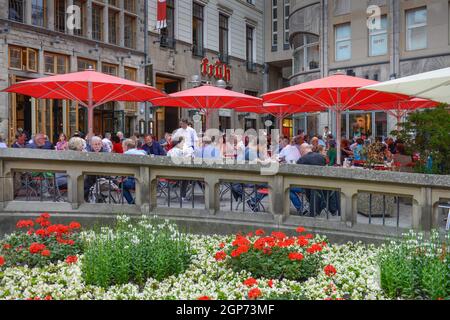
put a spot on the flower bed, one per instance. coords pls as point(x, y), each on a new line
point(348, 271)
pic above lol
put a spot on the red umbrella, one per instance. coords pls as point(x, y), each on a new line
point(402, 108)
point(89, 88)
point(208, 99)
point(338, 93)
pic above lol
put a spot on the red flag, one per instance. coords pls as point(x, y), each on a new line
point(162, 14)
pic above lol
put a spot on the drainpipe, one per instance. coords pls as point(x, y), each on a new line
point(146, 59)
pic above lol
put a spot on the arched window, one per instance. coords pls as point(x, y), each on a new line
point(306, 52)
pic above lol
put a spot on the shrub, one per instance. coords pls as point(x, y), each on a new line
point(276, 256)
point(39, 242)
point(134, 253)
point(416, 268)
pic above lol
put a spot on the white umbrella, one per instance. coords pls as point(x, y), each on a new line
point(434, 85)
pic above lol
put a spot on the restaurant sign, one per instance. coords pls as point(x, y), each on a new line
point(218, 70)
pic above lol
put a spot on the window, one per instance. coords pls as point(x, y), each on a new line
point(130, 32)
point(55, 63)
point(16, 10)
point(378, 39)
point(223, 38)
point(197, 30)
point(416, 29)
point(306, 52)
point(110, 69)
point(113, 27)
point(60, 15)
point(287, 9)
point(97, 22)
point(343, 42)
point(129, 5)
point(85, 64)
point(251, 2)
point(130, 74)
point(38, 12)
point(250, 48)
point(23, 58)
point(114, 3)
point(82, 5)
point(168, 33)
point(274, 24)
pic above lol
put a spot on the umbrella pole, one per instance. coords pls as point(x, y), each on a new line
point(90, 112)
point(338, 136)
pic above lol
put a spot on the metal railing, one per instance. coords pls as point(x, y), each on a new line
point(332, 200)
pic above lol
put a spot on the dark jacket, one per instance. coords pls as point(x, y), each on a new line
point(154, 149)
point(15, 145)
point(313, 159)
point(47, 146)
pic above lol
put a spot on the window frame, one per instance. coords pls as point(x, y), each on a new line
point(416, 26)
point(336, 41)
point(306, 45)
point(379, 32)
point(198, 49)
point(110, 65)
point(55, 57)
point(224, 56)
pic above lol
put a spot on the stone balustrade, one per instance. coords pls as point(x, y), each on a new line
point(426, 191)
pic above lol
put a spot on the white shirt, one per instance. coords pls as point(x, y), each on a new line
point(180, 152)
point(136, 152)
point(189, 135)
point(290, 154)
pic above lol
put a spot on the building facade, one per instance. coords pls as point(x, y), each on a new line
point(373, 39)
point(206, 41)
point(44, 37)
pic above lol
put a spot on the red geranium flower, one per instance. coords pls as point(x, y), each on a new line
point(250, 234)
point(45, 253)
point(6, 246)
point(222, 245)
point(48, 297)
point(204, 298)
point(309, 236)
point(41, 232)
point(295, 256)
point(45, 215)
point(71, 259)
point(278, 235)
point(2, 261)
point(300, 230)
point(314, 248)
point(74, 225)
point(268, 251)
point(24, 224)
point(219, 256)
point(330, 270)
point(250, 282)
point(302, 241)
point(36, 247)
point(254, 293)
point(260, 232)
point(270, 283)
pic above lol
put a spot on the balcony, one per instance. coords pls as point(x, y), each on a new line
point(166, 42)
point(198, 51)
point(251, 66)
point(224, 58)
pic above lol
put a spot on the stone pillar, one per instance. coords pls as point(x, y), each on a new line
point(279, 200)
point(75, 188)
point(105, 22)
point(2, 186)
point(349, 206)
point(212, 201)
point(143, 190)
point(50, 14)
point(422, 210)
point(68, 4)
point(324, 36)
point(28, 9)
point(89, 19)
